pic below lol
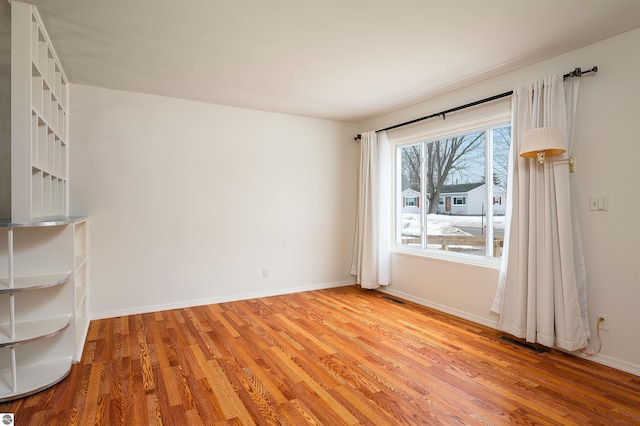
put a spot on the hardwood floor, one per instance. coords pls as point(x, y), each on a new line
point(334, 357)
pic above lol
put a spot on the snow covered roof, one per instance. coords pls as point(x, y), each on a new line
point(463, 187)
point(410, 193)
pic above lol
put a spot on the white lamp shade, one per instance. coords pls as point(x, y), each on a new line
point(543, 139)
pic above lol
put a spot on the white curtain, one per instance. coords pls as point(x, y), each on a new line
point(541, 292)
point(370, 262)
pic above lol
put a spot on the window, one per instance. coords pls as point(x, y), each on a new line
point(460, 201)
point(459, 211)
point(411, 202)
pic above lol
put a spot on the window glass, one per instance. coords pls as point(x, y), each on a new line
point(410, 172)
point(501, 138)
point(458, 205)
point(460, 201)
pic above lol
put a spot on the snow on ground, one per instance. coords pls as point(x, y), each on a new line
point(438, 224)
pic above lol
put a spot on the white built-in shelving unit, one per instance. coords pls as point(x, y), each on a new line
point(39, 106)
point(43, 252)
point(43, 291)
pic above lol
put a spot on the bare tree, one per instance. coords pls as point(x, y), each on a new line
point(462, 156)
point(459, 154)
point(411, 166)
point(501, 144)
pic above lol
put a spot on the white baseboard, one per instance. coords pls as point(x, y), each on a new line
point(442, 308)
point(229, 298)
point(600, 359)
point(612, 362)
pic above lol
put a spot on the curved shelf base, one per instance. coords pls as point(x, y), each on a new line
point(41, 222)
point(34, 378)
point(31, 331)
point(33, 282)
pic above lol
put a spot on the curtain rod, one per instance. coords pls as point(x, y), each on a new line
point(575, 73)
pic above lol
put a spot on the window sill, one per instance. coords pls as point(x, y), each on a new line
point(460, 258)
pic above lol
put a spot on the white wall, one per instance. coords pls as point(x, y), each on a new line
point(5, 110)
point(5, 146)
point(607, 153)
point(188, 201)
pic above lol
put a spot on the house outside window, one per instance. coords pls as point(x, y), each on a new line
point(458, 213)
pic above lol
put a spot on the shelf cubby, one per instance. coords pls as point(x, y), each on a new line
point(51, 151)
point(41, 59)
point(36, 191)
point(62, 122)
point(46, 192)
point(38, 365)
point(51, 68)
point(34, 138)
point(53, 112)
point(63, 160)
point(63, 92)
point(41, 136)
point(46, 104)
point(33, 330)
point(37, 93)
point(63, 194)
point(54, 194)
point(57, 81)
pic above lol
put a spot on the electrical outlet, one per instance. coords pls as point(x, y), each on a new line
point(603, 322)
point(265, 272)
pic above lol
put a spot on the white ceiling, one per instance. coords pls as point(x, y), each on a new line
point(336, 59)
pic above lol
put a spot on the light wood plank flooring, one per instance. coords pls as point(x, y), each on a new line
point(342, 356)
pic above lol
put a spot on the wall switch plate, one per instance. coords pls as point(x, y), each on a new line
point(598, 203)
point(603, 203)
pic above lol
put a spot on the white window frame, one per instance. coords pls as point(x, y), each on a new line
point(493, 122)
